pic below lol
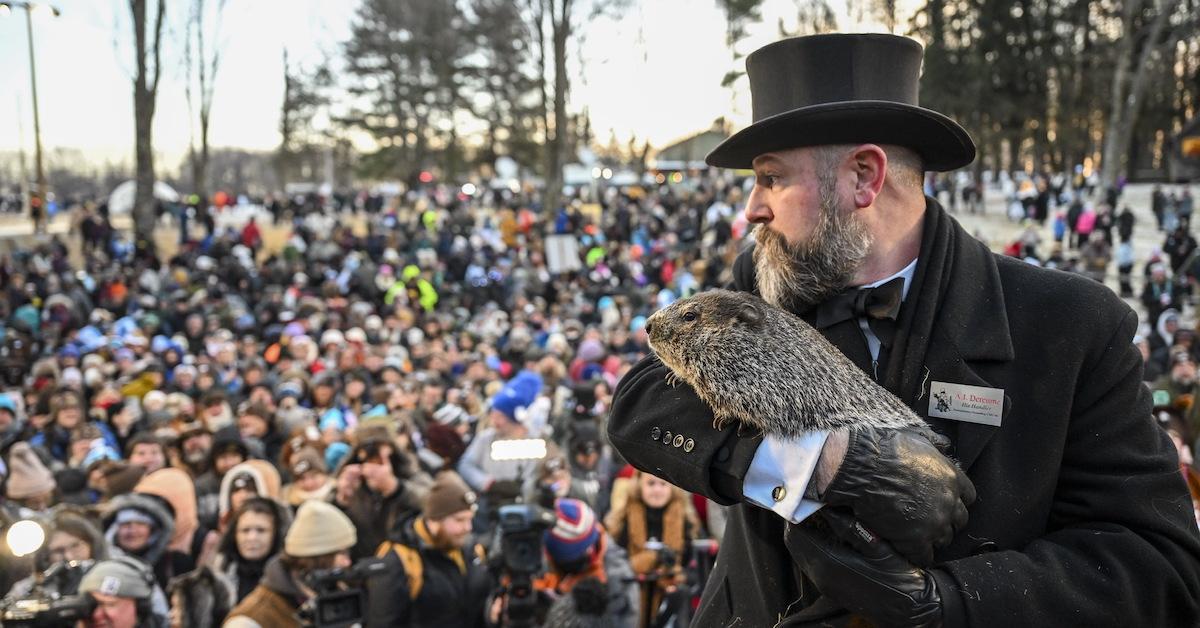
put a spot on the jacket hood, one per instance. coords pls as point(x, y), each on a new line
point(175, 486)
point(266, 481)
point(149, 505)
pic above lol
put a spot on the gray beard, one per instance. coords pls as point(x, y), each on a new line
point(796, 276)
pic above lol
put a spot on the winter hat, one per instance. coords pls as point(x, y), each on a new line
point(591, 350)
point(448, 495)
point(119, 577)
point(575, 531)
point(451, 414)
point(27, 475)
point(518, 393)
point(307, 459)
point(319, 529)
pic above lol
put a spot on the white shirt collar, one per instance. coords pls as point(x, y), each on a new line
point(907, 273)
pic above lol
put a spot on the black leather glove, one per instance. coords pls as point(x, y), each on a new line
point(859, 571)
point(902, 488)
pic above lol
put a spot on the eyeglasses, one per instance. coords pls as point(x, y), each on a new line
point(60, 552)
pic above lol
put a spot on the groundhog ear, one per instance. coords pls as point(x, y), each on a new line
point(750, 314)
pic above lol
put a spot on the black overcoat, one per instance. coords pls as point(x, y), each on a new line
point(1082, 517)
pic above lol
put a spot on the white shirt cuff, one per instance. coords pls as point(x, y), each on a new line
point(780, 473)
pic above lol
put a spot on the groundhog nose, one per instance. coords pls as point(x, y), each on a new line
point(649, 327)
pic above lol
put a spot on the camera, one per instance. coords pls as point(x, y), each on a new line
point(341, 600)
point(521, 528)
point(46, 605)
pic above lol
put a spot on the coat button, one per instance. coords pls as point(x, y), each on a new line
point(689, 445)
point(678, 440)
point(667, 437)
point(655, 433)
point(778, 493)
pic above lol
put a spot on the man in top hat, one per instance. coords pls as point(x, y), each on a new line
point(1029, 375)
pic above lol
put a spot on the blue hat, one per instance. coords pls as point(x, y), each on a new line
point(7, 403)
point(69, 351)
point(575, 531)
point(518, 393)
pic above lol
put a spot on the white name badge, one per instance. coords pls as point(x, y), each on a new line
point(959, 402)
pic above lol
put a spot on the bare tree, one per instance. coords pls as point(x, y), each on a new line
point(201, 71)
point(145, 92)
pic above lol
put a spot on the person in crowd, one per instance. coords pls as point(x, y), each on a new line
point(199, 599)
point(377, 487)
point(656, 528)
point(499, 479)
point(310, 478)
point(125, 595)
point(70, 537)
point(253, 478)
point(29, 482)
point(147, 451)
point(141, 526)
point(320, 538)
point(227, 452)
point(255, 535)
point(435, 576)
point(66, 413)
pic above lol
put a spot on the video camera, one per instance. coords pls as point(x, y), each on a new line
point(46, 605)
point(338, 606)
point(521, 529)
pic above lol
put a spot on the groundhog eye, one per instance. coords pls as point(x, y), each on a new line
point(689, 316)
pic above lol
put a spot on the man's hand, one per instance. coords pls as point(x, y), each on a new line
point(901, 488)
point(859, 571)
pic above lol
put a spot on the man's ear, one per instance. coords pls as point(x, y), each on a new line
point(869, 163)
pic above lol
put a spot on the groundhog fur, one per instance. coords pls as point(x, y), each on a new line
point(761, 366)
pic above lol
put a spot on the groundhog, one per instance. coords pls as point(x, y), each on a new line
point(758, 365)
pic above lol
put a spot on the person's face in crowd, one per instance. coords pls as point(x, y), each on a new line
point(239, 497)
point(205, 381)
point(69, 413)
point(431, 397)
point(311, 481)
point(113, 612)
point(249, 347)
point(655, 492)
point(149, 456)
point(1184, 372)
point(810, 243)
point(1158, 275)
point(252, 377)
point(184, 380)
point(66, 547)
point(196, 448)
point(252, 426)
point(355, 389)
point(587, 458)
point(451, 532)
point(194, 325)
point(6, 419)
point(377, 472)
point(262, 396)
point(499, 420)
point(322, 396)
point(133, 536)
point(253, 534)
point(227, 461)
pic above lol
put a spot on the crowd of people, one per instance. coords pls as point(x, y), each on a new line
point(216, 429)
point(216, 435)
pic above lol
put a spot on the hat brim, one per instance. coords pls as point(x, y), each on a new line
point(942, 144)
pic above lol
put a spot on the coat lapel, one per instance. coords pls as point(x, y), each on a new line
point(970, 332)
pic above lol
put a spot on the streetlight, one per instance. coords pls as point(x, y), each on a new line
point(30, 8)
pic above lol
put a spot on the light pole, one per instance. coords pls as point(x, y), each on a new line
point(40, 200)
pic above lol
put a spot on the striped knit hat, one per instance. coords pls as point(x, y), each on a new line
point(575, 531)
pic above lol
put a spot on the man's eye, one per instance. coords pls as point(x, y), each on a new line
point(768, 180)
point(689, 316)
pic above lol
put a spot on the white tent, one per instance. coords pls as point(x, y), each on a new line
point(121, 199)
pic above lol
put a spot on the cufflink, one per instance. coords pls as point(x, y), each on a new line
point(778, 493)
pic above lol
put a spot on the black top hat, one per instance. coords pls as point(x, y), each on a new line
point(837, 89)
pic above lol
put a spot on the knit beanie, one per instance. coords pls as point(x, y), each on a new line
point(449, 495)
point(319, 529)
point(119, 577)
point(27, 475)
point(574, 532)
point(518, 393)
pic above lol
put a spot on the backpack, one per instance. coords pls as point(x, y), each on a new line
point(414, 567)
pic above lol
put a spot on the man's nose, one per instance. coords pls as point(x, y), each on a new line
point(757, 211)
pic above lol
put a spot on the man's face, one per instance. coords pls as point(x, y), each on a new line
point(1184, 372)
point(113, 612)
point(452, 531)
point(196, 448)
point(149, 456)
point(252, 426)
point(6, 419)
point(133, 536)
point(809, 244)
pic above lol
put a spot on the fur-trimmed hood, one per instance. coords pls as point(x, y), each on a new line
point(153, 507)
point(205, 598)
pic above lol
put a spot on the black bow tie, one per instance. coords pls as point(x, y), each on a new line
point(879, 305)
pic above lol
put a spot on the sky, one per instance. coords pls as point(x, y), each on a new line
point(653, 72)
